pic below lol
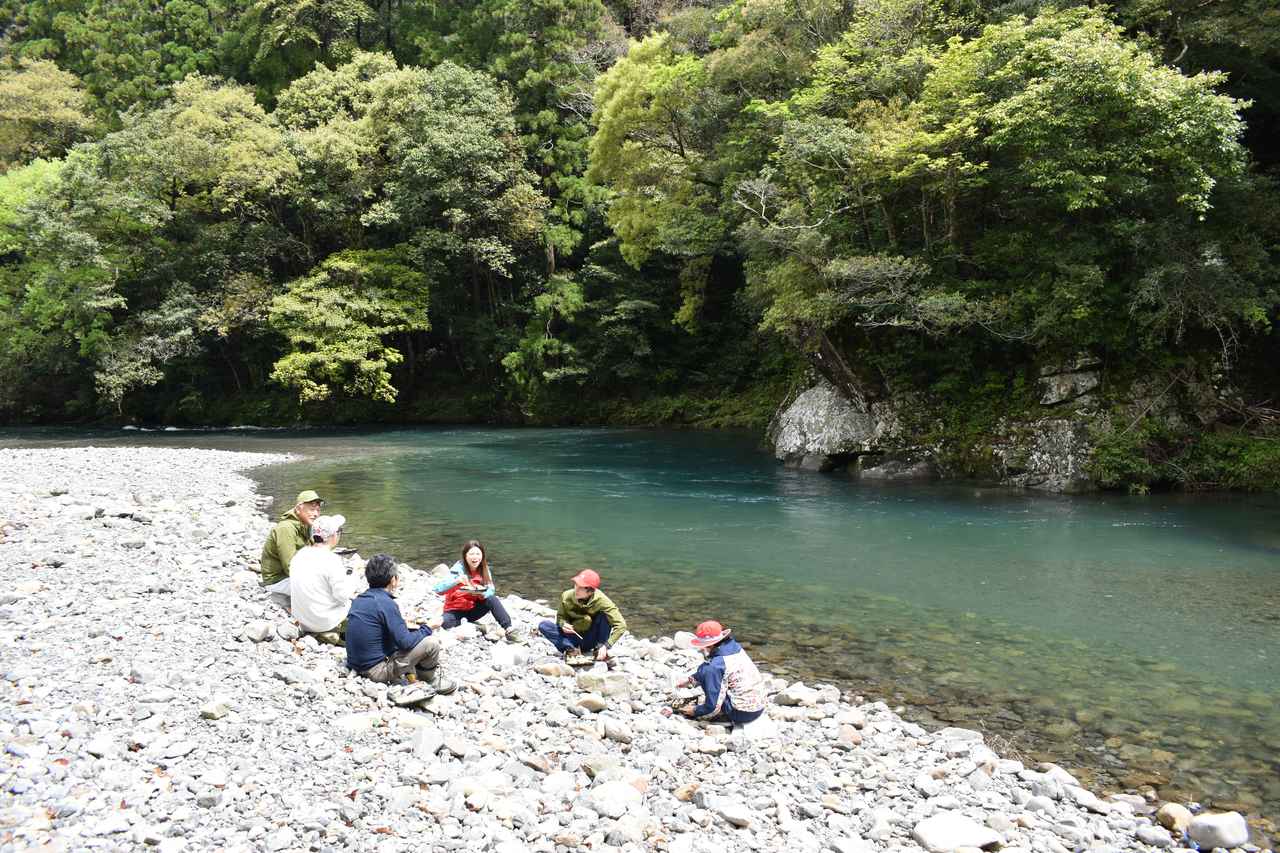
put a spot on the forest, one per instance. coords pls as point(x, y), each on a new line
point(647, 212)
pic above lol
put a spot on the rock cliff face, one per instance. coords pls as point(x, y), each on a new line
point(823, 431)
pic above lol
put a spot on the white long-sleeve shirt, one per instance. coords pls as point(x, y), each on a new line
point(320, 590)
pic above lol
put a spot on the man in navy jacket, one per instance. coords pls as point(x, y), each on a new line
point(380, 646)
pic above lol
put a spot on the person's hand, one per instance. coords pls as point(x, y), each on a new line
point(433, 624)
point(687, 681)
point(687, 710)
point(411, 624)
point(568, 629)
point(665, 711)
point(602, 653)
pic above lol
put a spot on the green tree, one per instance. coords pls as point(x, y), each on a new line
point(338, 320)
point(126, 52)
point(43, 111)
point(1020, 193)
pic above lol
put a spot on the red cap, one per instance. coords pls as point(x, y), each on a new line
point(587, 577)
point(708, 634)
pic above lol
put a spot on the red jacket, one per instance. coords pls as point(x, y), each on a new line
point(457, 599)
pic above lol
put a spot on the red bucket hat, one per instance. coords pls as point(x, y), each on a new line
point(587, 577)
point(708, 634)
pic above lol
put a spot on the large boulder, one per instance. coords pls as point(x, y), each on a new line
point(1219, 830)
point(822, 429)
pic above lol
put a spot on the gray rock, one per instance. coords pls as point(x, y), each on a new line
point(612, 799)
point(733, 813)
point(612, 684)
point(592, 702)
point(822, 425)
point(259, 631)
point(291, 674)
point(629, 829)
point(617, 731)
point(141, 673)
point(281, 839)
point(1226, 829)
point(215, 709)
point(427, 742)
point(946, 831)
point(797, 694)
point(852, 845)
point(1156, 836)
point(288, 631)
point(1065, 387)
point(102, 745)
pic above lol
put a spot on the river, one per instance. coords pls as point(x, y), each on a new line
point(1135, 640)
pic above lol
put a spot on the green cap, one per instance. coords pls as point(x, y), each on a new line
point(307, 497)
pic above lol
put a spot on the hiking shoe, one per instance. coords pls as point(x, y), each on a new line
point(511, 635)
point(330, 638)
point(410, 694)
point(441, 685)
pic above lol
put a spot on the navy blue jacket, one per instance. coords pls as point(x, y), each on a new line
point(710, 674)
point(376, 630)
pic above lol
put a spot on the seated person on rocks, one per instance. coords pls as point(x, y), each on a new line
point(320, 586)
point(587, 622)
point(290, 534)
point(380, 646)
point(733, 689)
point(469, 593)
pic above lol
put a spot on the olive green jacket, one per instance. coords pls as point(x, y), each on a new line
point(289, 535)
point(579, 613)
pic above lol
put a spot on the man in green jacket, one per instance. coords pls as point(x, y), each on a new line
point(586, 620)
point(285, 539)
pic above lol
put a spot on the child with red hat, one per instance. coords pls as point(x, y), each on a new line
point(733, 689)
point(586, 620)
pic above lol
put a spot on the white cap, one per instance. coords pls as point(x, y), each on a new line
point(327, 525)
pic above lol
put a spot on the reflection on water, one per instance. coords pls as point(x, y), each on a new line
point(1132, 638)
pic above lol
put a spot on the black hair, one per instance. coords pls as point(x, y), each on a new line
point(316, 538)
point(379, 571)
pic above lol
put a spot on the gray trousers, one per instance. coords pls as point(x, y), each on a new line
point(422, 660)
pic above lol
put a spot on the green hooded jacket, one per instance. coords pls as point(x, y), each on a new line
point(289, 535)
point(579, 613)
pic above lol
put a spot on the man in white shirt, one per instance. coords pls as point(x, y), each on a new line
point(321, 588)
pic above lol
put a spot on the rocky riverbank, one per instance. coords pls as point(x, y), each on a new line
point(153, 698)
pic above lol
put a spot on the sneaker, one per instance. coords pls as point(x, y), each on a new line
point(441, 685)
point(410, 694)
point(331, 638)
point(512, 635)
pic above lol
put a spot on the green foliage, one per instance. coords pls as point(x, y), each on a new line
point(338, 321)
point(1150, 453)
point(126, 52)
point(237, 209)
point(210, 149)
point(1025, 184)
point(138, 357)
point(43, 111)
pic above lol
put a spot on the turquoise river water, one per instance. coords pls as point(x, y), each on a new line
point(1135, 640)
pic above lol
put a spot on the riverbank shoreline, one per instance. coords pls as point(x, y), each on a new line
point(143, 709)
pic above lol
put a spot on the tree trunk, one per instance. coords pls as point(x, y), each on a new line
point(828, 361)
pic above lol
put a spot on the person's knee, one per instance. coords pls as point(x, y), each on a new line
point(547, 627)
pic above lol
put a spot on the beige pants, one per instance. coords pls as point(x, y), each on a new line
point(422, 660)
